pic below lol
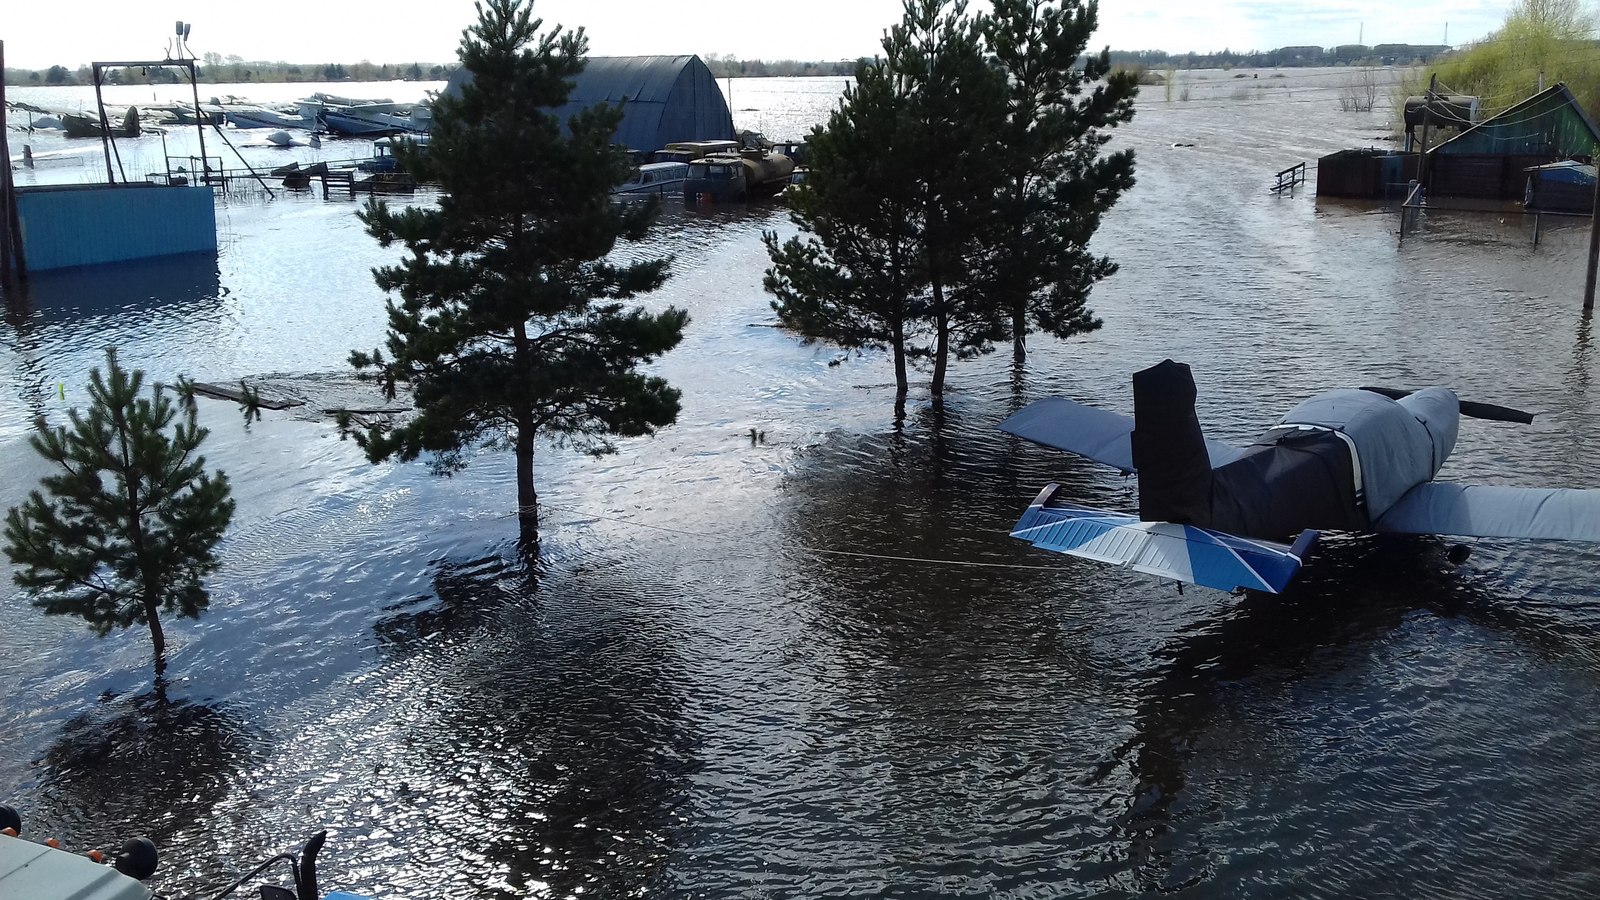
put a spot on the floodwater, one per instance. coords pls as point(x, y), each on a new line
point(812, 663)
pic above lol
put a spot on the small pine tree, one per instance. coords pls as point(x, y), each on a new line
point(508, 323)
point(129, 526)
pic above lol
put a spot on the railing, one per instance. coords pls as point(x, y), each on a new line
point(1416, 201)
point(1288, 178)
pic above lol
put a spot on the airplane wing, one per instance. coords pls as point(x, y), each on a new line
point(1097, 434)
point(1436, 507)
point(1184, 552)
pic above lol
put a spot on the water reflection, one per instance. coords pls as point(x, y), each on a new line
point(140, 765)
point(143, 288)
point(58, 322)
point(956, 698)
point(1235, 731)
point(547, 749)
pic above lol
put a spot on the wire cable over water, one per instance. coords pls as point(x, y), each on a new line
point(926, 560)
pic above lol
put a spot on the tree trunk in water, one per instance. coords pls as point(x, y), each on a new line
point(1019, 333)
point(941, 346)
point(902, 383)
point(1019, 303)
point(527, 498)
point(157, 636)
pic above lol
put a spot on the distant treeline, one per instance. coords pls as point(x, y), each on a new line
point(217, 69)
point(1345, 55)
point(724, 66)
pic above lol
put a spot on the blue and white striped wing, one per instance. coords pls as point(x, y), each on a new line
point(1184, 552)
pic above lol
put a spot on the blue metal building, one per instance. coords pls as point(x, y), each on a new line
point(91, 224)
point(669, 98)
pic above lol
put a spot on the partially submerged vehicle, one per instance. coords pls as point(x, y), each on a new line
point(737, 176)
point(655, 178)
point(383, 156)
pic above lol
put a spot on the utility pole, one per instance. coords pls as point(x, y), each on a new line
point(1427, 120)
point(10, 234)
point(1594, 249)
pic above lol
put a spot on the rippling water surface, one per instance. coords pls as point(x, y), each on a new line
point(702, 692)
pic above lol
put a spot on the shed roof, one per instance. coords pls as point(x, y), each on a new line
point(1551, 122)
point(669, 98)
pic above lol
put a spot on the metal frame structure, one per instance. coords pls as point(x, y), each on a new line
point(109, 143)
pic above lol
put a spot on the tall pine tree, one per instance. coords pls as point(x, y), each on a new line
point(1058, 185)
point(901, 176)
point(127, 529)
point(508, 324)
point(958, 102)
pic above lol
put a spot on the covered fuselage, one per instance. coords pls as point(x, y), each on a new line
point(1339, 460)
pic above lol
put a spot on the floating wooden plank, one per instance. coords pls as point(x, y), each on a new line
point(237, 395)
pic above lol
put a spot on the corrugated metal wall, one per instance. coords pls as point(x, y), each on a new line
point(85, 225)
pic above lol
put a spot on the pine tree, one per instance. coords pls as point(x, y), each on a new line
point(899, 177)
point(128, 528)
point(1057, 184)
point(854, 278)
point(958, 101)
point(507, 324)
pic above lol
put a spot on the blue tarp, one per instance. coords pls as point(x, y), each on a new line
point(669, 98)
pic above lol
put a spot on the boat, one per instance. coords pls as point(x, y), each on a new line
point(353, 126)
point(654, 178)
point(383, 158)
point(1566, 186)
point(261, 117)
point(86, 127)
point(45, 871)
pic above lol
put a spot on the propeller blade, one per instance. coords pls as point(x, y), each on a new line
point(1470, 408)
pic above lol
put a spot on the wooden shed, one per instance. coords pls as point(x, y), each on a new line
point(1489, 161)
point(1365, 174)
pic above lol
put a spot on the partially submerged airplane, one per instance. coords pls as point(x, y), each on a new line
point(1229, 517)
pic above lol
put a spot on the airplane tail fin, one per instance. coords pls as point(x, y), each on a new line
point(1188, 553)
point(1169, 449)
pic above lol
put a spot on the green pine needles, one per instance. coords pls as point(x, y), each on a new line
point(954, 191)
point(506, 320)
point(129, 525)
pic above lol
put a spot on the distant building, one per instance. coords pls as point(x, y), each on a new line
point(668, 99)
point(1302, 55)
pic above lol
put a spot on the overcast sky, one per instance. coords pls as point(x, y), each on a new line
point(39, 34)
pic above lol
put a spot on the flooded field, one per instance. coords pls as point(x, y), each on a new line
point(814, 664)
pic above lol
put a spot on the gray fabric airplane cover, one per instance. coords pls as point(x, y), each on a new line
point(1562, 514)
point(669, 98)
point(1396, 451)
